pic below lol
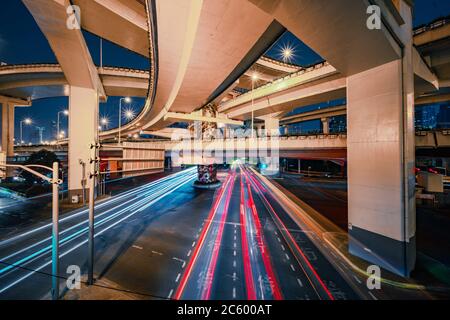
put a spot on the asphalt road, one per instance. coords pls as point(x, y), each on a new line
point(168, 240)
point(249, 248)
point(25, 265)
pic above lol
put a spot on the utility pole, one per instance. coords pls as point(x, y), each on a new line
point(94, 160)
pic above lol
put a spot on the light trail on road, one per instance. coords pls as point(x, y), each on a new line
point(186, 275)
point(141, 200)
point(248, 273)
point(115, 200)
point(318, 284)
point(218, 241)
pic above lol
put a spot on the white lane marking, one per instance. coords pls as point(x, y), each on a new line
point(234, 293)
point(156, 252)
point(178, 277)
point(282, 247)
point(234, 244)
point(184, 265)
point(287, 257)
point(292, 267)
point(137, 247)
point(373, 297)
point(278, 238)
point(234, 238)
point(300, 283)
point(234, 253)
point(234, 263)
point(261, 287)
point(177, 259)
point(189, 253)
point(234, 276)
point(170, 294)
point(193, 244)
point(357, 280)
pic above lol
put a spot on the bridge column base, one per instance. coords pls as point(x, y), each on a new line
point(207, 177)
point(269, 166)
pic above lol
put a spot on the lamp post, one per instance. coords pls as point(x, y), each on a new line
point(26, 121)
point(66, 113)
point(127, 100)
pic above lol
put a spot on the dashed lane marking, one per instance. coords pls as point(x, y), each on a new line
point(177, 259)
point(292, 267)
point(357, 280)
point(178, 277)
point(170, 294)
point(300, 283)
point(137, 247)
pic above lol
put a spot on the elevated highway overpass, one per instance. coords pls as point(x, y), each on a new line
point(214, 43)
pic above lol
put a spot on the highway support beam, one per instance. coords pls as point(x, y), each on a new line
point(381, 159)
point(69, 46)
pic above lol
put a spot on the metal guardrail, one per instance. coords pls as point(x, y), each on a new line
point(435, 24)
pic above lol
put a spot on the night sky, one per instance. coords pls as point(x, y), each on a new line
point(22, 42)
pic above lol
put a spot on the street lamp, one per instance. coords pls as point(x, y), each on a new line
point(66, 113)
point(104, 122)
point(26, 121)
point(127, 100)
point(254, 79)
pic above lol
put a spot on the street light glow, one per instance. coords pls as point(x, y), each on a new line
point(255, 76)
point(287, 53)
point(129, 114)
point(127, 99)
point(104, 121)
point(27, 121)
point(66, 112)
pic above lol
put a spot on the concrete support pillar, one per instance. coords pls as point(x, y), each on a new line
point(270, 166)
point(325, 125)
point(380, 149)
point(272, 126)
point(83, 130)
point(8, 128)
point(8, 133)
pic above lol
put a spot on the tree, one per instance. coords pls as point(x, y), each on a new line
point(43, 158)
